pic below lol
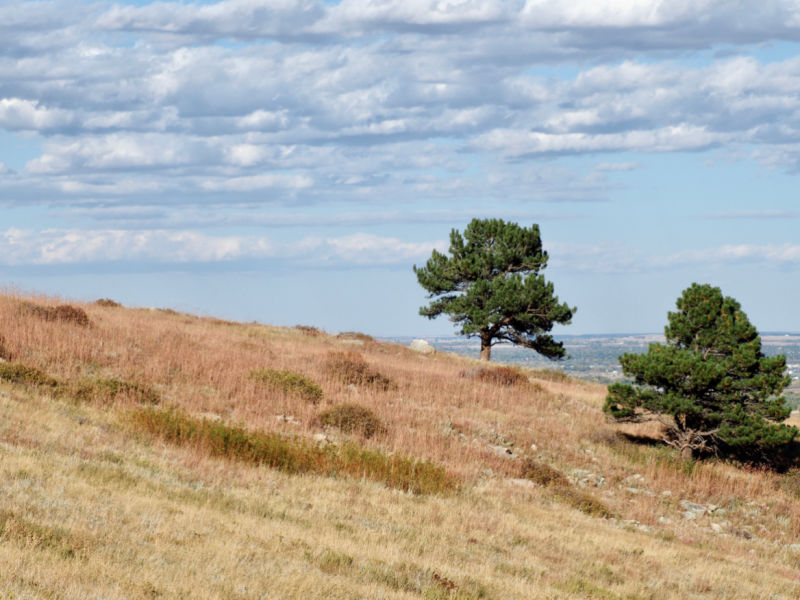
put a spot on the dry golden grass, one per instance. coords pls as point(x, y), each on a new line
point(92, 507)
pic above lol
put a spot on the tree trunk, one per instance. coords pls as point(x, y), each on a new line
point(686, 453)
point(486, 347)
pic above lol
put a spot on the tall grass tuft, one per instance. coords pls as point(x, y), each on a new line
point(351, 368)
point(352, 418)
point(292, 455)
point(293, 384)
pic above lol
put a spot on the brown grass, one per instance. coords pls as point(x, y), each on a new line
point(525, 536)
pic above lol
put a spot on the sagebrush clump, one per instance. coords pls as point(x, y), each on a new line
point(351, 368)
point(293, 384)
point(352, 418)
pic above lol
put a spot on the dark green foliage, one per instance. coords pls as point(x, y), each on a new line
point(709, 384)
point(491, 285)
point(289, 382)
point(352, 418)
point(104, 391)
point(25, 375)
point(292, 455)
point(351, 368)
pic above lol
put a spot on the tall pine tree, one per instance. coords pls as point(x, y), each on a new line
point(491, 285)
point(709, 385)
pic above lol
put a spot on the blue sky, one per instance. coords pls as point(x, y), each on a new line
point(288, 161)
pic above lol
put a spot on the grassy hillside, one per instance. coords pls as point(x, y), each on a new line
point(152, 454)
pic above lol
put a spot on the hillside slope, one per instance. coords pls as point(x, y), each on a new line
point(152, 454)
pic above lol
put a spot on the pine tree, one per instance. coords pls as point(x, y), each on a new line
point(491, 285)
point(710, 384)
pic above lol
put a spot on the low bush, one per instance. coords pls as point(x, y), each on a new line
point(355, 335)
point(292, 455)
point(25, 375)
point(105, 391)
point(562, 489)
point(65, 313)
point(107, 302)
point(542, 473)
point(502, 376)
point(308, 330)
point(351, 368)
point(293, 384)
point(352, 418)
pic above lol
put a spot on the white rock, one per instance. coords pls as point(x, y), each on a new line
point(422, 347)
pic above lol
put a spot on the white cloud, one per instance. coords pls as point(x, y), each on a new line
point(18, 114)
point(63, 247)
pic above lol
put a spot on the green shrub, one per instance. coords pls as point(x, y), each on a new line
point(25, 375)
point(293, 384)
point(292, 455)
point(352, 418)
point(107, 390)
point(351, 368)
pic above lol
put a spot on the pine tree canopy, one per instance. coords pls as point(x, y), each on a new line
point(491, 285)
point(710, 384)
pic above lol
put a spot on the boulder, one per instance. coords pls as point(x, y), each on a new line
point(422, 347)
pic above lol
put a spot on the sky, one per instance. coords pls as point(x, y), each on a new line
point(289, 161)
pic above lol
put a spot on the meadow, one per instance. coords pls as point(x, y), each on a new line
point(146, 453)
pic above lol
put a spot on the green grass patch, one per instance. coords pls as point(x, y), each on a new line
point(25, 375)
point(292, 455)
point(293, 384)
point(352, 418)
point(25, 533)
point(105, 391)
